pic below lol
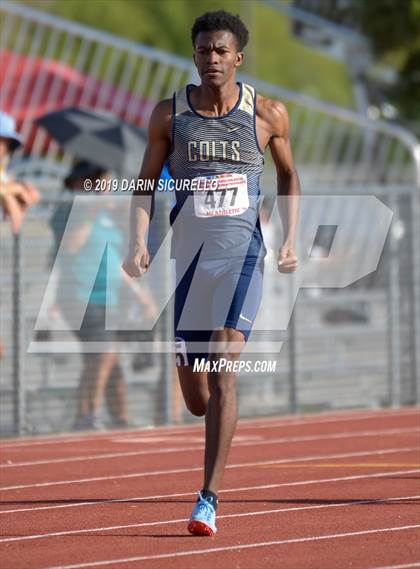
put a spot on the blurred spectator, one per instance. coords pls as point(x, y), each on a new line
point(15, 196)
point(102, 373)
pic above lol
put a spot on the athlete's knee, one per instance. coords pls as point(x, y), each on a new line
point(194, 390)
point(222, 387)
point(227, 345)
point(197, 408)
point(196, 403)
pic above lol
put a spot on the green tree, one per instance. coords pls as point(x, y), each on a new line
point(394, 25)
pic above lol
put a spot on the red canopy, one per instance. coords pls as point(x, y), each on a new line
point(34, 86)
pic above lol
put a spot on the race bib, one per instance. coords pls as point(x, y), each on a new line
point(224, 194)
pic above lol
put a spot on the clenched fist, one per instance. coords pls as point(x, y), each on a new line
point(287, 261)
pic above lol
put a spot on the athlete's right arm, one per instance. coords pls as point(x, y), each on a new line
point(157, 150)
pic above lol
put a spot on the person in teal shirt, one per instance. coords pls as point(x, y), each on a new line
point(102, 373)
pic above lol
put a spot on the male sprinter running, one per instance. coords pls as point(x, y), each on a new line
point(216, 132)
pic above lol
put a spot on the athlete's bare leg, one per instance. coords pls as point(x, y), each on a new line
point(195, 389)
point(214, 394)
point(222, 413)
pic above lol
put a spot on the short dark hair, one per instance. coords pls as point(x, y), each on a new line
point(83, 170)
point(221, 21)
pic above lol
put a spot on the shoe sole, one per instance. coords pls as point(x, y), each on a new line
point(200, 528)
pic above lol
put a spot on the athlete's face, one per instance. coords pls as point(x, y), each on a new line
point(216, 57)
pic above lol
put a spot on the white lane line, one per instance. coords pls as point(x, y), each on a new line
point(226, 490)
point(403, 566)
point(233, 547)
point(180, 494)
point(266, 423)
point(181, 439)
point(281, 440)
point(199, 468)
point(182, 520)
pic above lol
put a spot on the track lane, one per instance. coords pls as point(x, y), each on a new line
point(119, 464)
point(292, 488)
point(379, 418)
point(279, 526)
point(136, 482)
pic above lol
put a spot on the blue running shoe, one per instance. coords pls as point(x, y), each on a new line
point(203, 518)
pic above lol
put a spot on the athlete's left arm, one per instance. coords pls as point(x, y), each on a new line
point(288, 188)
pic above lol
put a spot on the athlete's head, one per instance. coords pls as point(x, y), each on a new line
point(218, 39)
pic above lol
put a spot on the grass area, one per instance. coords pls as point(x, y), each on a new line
point(285, 61)
point(273, 53)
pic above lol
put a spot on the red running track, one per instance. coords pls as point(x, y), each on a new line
point(323, 491)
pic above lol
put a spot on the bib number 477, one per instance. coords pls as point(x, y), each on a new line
point(210, 199)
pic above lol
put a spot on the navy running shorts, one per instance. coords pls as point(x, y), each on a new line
point(213, 294)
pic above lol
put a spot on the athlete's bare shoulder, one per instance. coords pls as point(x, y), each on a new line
point(164, 107)
point(273, 116)
point(161, 118)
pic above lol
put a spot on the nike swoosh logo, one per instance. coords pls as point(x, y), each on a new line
point(234, 128)
point(246, 319)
